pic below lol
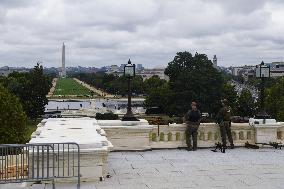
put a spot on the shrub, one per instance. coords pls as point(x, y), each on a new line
point(13, 128)
point(106, 116)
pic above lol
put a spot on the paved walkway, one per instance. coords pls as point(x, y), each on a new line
point(203, 169)
point(52, 89)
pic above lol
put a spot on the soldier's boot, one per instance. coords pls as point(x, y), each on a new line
point(223, 149)
point(189, 148)
point(232, 146)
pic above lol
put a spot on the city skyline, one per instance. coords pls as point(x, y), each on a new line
point(100, 33)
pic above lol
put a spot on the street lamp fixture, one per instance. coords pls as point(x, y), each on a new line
point(262, 71)
point(129, 73)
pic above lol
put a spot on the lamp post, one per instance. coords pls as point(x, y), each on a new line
point(129, 73)
point(262, 71)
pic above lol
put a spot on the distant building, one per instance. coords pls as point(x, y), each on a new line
point(139, 67)
point(5, 71)
point(277, 69)
point(103, 69)
point(236, 70)
point(248, 74)
point(121, 67)
point(241, 70)
point(113, 69)
point(147, 73)
point(245, 72)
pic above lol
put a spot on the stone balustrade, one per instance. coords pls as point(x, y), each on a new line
point(145, 137)
point(280, 133)
point(173, 135)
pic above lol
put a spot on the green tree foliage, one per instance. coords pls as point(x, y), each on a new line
point(13, 127)
point(118, 85)
point(153, 83)
point(245, 104)
point(268, 82)
point(274, 101)
point(193, 78)
point(31, 88)
point(40, 86)
point(111, 83)
point(229, 93)
point(106, 116)
point(159, 97)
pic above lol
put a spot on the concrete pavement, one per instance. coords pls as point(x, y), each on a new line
point(169, 169)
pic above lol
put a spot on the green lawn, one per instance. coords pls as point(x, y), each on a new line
point(68, 86)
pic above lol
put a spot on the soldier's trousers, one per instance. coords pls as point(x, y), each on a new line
point(225, 129)
point(191, 134)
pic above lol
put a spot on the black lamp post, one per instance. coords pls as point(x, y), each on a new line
point(129, 73)
point(262, 71)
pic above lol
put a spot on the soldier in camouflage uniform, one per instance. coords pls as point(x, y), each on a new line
point(224, 121)
point(192, 120)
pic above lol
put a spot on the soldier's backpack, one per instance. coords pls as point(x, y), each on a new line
point(227, 114)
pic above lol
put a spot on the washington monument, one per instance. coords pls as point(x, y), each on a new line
point(63, 69)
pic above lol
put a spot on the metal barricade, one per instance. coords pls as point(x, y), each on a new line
point(39, 162)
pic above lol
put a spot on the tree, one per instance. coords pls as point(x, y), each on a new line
point(13, 127)
point(137, 85)
point(245, 104)
point(39, 86)
point(159, 97)
point(274, 101)
point(193, 78)
point(31, 89)
point(92, 93)
point(153, 83)
point(111, 83)
point(229, 93)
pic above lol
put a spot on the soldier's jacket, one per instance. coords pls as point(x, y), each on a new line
point(192, 118)
point(224, 114)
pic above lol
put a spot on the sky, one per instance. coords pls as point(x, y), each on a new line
point(149, 32)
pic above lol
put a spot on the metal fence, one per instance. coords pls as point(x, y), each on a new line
point(39, 162)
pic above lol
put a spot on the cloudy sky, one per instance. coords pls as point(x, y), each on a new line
point(150, 32)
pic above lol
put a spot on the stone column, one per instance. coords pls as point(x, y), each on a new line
point(127, 135)
point(265, 133)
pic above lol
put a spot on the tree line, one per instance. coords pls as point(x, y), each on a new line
point(117, 85)
point(274, 96)
point(192, 78)
point(23, 96)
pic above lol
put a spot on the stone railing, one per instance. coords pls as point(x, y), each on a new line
point(280, 133)
point(173, 135)
point(142, 136)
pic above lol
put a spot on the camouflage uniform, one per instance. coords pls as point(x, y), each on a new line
point(224, 122)
point(192, 128)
